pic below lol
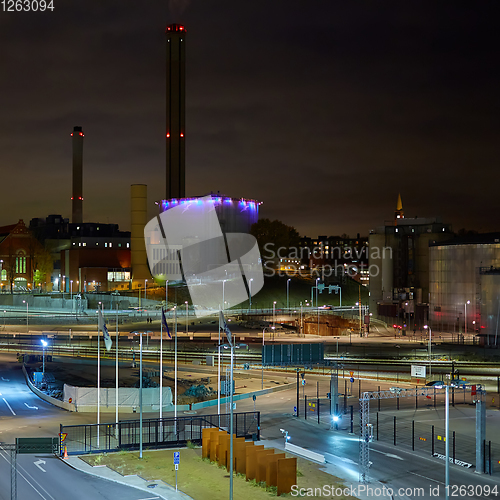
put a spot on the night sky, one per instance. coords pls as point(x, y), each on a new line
point(323, 110)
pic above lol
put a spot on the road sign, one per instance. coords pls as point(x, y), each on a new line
point(254, 397)
point(351, 374)
point(64, 435)
point(176, 466)
point(295, 409)
point(177, 458)
point(304, 382)
point(351, 379)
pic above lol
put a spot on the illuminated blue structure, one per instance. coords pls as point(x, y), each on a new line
point(236, 215)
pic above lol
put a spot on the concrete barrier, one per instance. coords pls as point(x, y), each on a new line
point(238, 397)
point(311, 455)
point(45, 397)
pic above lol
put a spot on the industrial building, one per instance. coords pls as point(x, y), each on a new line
point(399, 266)
point(464, 283)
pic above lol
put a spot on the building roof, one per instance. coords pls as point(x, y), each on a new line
point(470, 239)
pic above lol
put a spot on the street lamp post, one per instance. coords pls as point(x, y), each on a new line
point(317, 307)
point(27, 316)
point(447, 444)
point(250, 286)
point(465, 317)
point(288, 293)
point(429, 349)
point(44, 345)
point(71, 290)
point(274, 315)
point(300, 326)
point(263, 330)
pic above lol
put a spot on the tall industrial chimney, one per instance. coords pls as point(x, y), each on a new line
point(77, 197)
point(176, 111)
point(139, 214)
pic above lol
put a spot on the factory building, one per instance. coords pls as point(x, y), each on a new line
point(464, 283)
point(399, 267)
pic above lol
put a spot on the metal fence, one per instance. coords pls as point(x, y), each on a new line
point(156, 433)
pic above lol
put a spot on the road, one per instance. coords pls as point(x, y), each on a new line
point(23, 414)
point(45, 477)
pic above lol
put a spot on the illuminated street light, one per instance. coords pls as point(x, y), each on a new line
point(430, 349)
point(44, 345)
point(288, 293)
point(465, 317)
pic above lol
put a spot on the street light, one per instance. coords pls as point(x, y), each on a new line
point(44, 345)
point(300, 326)
point(429, 348)
point(274, 315)
point(465, 317)
point(317, 279)
point(263, 330)
point(140, 390)
point(288, 293)
point(27, 316)
point(231, 417)
point(71, 289)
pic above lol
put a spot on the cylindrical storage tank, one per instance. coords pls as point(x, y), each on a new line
point(139, 215)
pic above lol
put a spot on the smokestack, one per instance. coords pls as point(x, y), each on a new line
point(77, 197)
point(176, 111)
point(139, 219)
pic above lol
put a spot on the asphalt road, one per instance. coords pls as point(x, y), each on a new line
point(23, 414)
point(45, 477)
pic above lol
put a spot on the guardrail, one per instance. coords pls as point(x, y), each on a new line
point(46, 397)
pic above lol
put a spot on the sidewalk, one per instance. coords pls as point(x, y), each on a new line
point(161, 489)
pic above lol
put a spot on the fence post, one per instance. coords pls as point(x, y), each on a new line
point(298, 393)
point(305, 407)
point(378, 399)
point(453, 447)
point(394, 430)
point(359, 386)
point(489, 457)
point(413, 435)
point(432, 438)
point(377, 426)
point(397, 401)
point(352, 419)
point(453, 396)
point(416, 397)
point(318, 410)
point(345, 395)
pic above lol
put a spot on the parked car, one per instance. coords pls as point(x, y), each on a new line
point(438, 384)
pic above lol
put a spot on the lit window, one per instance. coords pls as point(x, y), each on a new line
point(397, 230)
point(85, 244)
point(77, 228)
point(106, 245)
point(128, 245)
point(110, 245)
point(97, 244)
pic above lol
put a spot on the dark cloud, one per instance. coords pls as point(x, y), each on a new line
point(324, 110)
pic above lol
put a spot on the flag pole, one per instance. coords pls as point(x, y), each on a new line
point(218, 372)
point(161, 365)
point(116, 389)
point(175, 372)
point(99, 309)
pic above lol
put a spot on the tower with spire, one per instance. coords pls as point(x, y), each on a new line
point(399, 214)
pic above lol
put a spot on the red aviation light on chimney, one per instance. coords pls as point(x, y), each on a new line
point(182, 135)
point(81, 133)
point(168, 134)
point(71, 134)
point(176, 27)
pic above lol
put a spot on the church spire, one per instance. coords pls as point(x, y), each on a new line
point(399, 214)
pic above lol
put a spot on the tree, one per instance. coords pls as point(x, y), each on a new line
point(43, 265)
point(274, 236)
